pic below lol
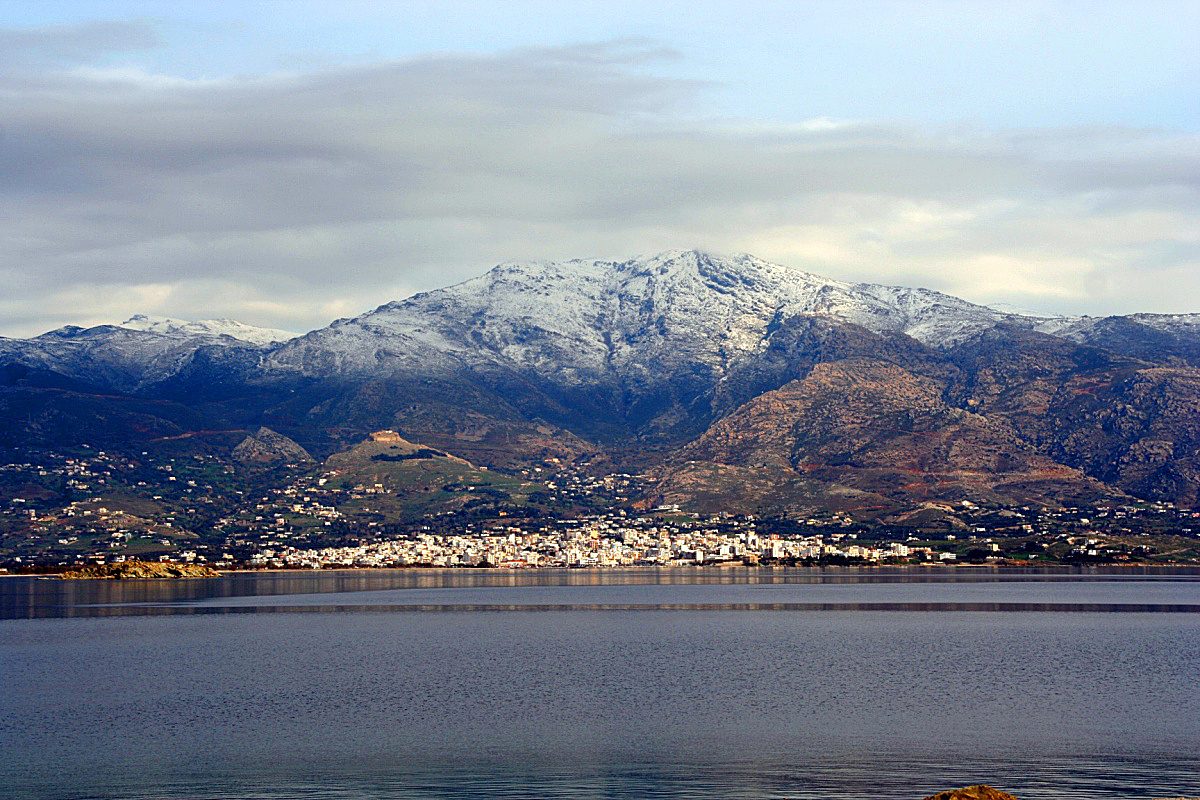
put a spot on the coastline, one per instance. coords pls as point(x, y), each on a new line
point(713, 569)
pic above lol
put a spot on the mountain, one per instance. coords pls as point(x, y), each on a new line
point(1154, 337)
point(208, 328)
point(644, 348)
point(611, 350)
point(582, 319)
point(139, 353)
point(732, 379)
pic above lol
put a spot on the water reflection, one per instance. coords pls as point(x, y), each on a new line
point(903, 778)
point(477, 700)
point(1174, 590)
point(429, 608)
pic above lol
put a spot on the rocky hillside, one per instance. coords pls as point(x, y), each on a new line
point(265, 446)
point(870, 433)
point(141, 570)
point(390, 476)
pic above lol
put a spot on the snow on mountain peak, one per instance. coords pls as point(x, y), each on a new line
point(207, 327)
point(580, 317)
point(681, 315)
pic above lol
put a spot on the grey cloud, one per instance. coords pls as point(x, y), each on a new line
point(289, 200)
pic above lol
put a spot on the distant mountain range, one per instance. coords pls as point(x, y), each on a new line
point(735, 383)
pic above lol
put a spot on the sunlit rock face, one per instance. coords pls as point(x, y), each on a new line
point(978, 792)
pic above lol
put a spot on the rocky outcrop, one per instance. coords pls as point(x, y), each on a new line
point(984, 792)
point(141, 570)
point(976, 792)
point(265, 446)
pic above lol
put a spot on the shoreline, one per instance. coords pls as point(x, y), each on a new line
point(712, 569)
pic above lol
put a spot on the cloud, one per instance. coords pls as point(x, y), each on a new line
point(72, 44)
point(287, 199)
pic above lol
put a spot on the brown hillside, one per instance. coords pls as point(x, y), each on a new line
point(875, 434)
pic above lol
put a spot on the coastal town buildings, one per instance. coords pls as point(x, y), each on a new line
point(102, 507)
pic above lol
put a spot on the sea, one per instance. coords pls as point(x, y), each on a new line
point(884, 683)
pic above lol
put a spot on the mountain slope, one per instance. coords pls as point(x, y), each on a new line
point(870, 433)
point(1139, 431)
point(398, 480)
point(1154, 337)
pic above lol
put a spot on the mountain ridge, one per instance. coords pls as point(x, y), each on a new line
point(511, 289)
point(633, 363)
point(208, 327)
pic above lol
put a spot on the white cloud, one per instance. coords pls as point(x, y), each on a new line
point(290, 199)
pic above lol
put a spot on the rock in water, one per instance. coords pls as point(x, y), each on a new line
point(265, 446)
point(141, 570)
point(977, 792)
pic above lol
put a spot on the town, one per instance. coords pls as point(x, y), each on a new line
point(98, 507)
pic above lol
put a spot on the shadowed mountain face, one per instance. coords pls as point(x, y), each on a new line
point(739, 381)
point(1138, 431)
point(873, 434)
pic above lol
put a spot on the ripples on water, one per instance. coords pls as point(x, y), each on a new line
point(959, 589)
point(886, 777)
point(602, 693)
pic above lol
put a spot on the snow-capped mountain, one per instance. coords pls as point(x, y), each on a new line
point(207, 328)
point(681, 315)
point(140, 352)
point(849, 388)
point(1091, 329)
point(579, 318)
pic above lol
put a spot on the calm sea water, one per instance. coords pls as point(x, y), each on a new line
point(675, 684)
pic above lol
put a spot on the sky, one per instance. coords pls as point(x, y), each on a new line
point(289, 163)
